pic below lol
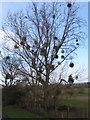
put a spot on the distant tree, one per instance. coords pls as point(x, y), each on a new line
point(45, 37)
point(9, 70)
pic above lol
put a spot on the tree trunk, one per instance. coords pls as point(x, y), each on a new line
point(45, 87)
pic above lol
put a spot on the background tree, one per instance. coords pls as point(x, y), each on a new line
point(44, 39)
point(10, 70)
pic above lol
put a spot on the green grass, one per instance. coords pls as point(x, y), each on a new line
point(79, 99)
point(79, 104)
point(13, 112)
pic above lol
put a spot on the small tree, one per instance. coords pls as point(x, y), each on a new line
point(70, 80)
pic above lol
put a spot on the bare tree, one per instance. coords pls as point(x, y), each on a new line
point(9, 69)
point(45, 37)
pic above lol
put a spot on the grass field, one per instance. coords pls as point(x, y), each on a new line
point(14, 112)
point(79, 98)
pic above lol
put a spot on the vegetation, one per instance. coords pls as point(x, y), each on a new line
point(79, 100)
point(43, 40)
point(62, 99)
point(15, 112)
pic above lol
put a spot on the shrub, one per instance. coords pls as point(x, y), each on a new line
point(12, 95)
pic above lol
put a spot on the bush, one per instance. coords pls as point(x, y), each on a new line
point(63, 107)
point(11, 95)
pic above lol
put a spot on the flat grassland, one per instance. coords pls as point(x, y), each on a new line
point(76, 97)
